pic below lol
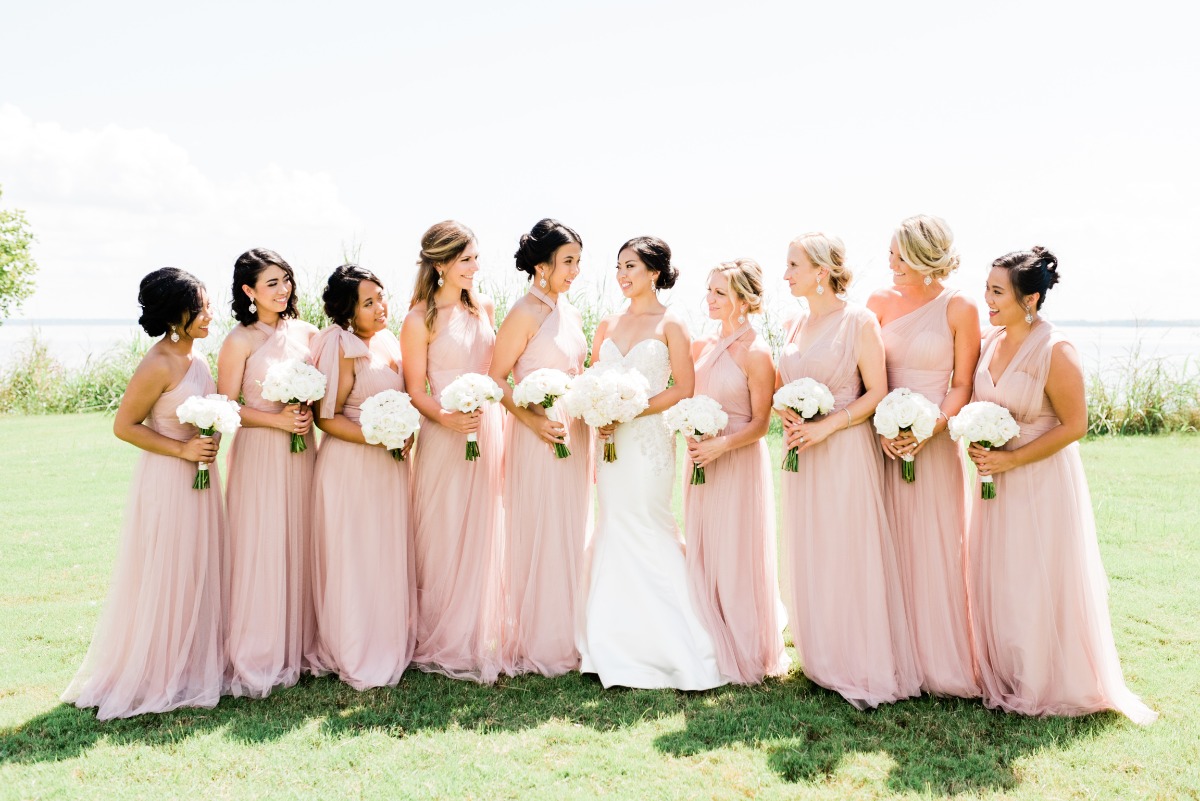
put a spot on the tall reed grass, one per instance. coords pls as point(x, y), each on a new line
point(1143, 396)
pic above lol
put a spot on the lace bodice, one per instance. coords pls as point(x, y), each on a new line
point(651, 358)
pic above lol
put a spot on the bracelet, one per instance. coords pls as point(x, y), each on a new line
point(849, 417)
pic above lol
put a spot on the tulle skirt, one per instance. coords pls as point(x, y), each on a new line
point(269, 618)
point(1039, 596)
point(363, 585)
point(845, 610)
point(157, 645)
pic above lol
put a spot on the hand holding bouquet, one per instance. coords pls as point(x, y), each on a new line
point(388, 418)
point(606, 396)
point(806, 397)
point(209, 413)
point(468, 393)
point(910, 412)
point(543, 387)
point(293, 381)
point(699, 417)
point(988, 425)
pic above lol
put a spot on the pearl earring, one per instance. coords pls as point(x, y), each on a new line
point(1028, 316)
point(441, 281)
point(253, 306)
point(820, 289)
point(174, 334)
point(928, 280)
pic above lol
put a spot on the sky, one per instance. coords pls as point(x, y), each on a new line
point(137, 135)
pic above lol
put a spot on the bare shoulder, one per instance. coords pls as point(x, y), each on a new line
point(961, 308)
point(880, 298)
point(308, 328)
point(674, 324)
point(157, 368)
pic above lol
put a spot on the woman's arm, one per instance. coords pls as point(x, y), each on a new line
point(151, 379)
point(414, 347)
point(679, 349)
point(231, 370)
point(518, 328)
point(340, 425)
point(760, 376)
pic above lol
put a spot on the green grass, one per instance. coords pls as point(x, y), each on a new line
point(63, 481)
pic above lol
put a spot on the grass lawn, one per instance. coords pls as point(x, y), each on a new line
point(63, 481)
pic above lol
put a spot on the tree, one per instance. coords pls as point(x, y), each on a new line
point(17, 266)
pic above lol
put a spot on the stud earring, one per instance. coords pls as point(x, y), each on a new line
point(253, 307)
point(441, 281)
point(174, 334)
point(928, 280)
point(820, 289)
point(1028, 316)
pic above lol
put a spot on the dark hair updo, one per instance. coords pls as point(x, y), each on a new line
point(541, 243)
point(246, 270)
point(1030, 271)
point(169, 296)
point(341, 292)
point(656, 255)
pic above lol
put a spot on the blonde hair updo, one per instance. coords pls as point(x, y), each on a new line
point(829, 252)
point(745, 281)
point(926, 244)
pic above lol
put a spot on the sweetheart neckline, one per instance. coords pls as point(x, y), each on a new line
point(634, 347)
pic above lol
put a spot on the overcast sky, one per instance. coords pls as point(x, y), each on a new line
point(144, 134)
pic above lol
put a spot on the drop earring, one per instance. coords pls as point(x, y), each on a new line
point(542, 282)
point(441, 281)
point(253, 307)
point(1028, 316)
point(174, 334)
point(928, 280)
point(742, 317)
point(820, 289)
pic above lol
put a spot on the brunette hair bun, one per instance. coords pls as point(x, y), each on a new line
point(341, 292)
point(541, 243)
point(168, 296)
point(1031, 271)
point(656, 255)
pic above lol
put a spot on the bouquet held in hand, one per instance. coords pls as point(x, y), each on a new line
point(806, 397)
point(468, 393)
point(543, 387)
point(699, 417)
point(293, 381)
point(910, 412)
point(388, 418)
point(988, 425)
point(209, 413)
point(606, 396)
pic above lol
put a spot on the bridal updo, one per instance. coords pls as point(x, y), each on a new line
point(541, 243)
point(926, 244)
point(827, 251)
point(656, 255)
point(1030, 271)
point(341, 293)
point(169, 296)
point(745, 281)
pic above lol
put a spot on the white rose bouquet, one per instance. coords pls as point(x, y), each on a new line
point(989, 425)
point(543, 387)
point(209, 413)
point(699, 417)
point(388, 418)
point(293, 381)
point(603, 397)
point(806, 397)
point(468, 393)
point(910, 412)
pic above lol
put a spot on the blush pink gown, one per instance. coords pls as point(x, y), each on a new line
point(729, 529)
point(458, 518)
point(157, 645)
point(547, 506)
point(269, 620)
point(846, 610)
point(363, 587)
point(1039, 594)
point(929, 518)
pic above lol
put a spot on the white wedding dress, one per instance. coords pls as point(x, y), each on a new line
point(639, 628)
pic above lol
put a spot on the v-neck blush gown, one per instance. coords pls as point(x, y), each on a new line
point(157, 645)
point(729, 531)
point(929, 516)
point(1039, 594)
point(846, 610)
point(547, 504)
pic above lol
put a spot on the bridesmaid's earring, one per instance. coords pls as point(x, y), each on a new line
point(441, 281)
point(542, 283)
point(742, 317)
point(174, 334)
point(1028, 316)
point(820, 289)
point(928, 280)
point(253, 307)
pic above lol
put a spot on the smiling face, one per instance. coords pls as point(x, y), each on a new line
point(801, 274)
point(197, 327)
point(632, 276)
point(564, 268)
point(460, 273)
point(1004, 307)
point(271, 291)
point(902, 273)
point(371, 311)
point(723, 303)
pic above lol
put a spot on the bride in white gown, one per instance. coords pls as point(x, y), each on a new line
point(639, 628)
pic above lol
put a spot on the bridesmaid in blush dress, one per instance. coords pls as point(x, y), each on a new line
point(456, 503)
point(729, 523)
point(847, 611)
point(140, 659)
point(269, 621)
point(547, 500)
point(363, 587)
point(931, 341)
point(1039, 594)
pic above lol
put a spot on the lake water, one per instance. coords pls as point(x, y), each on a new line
point(1103, 348)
